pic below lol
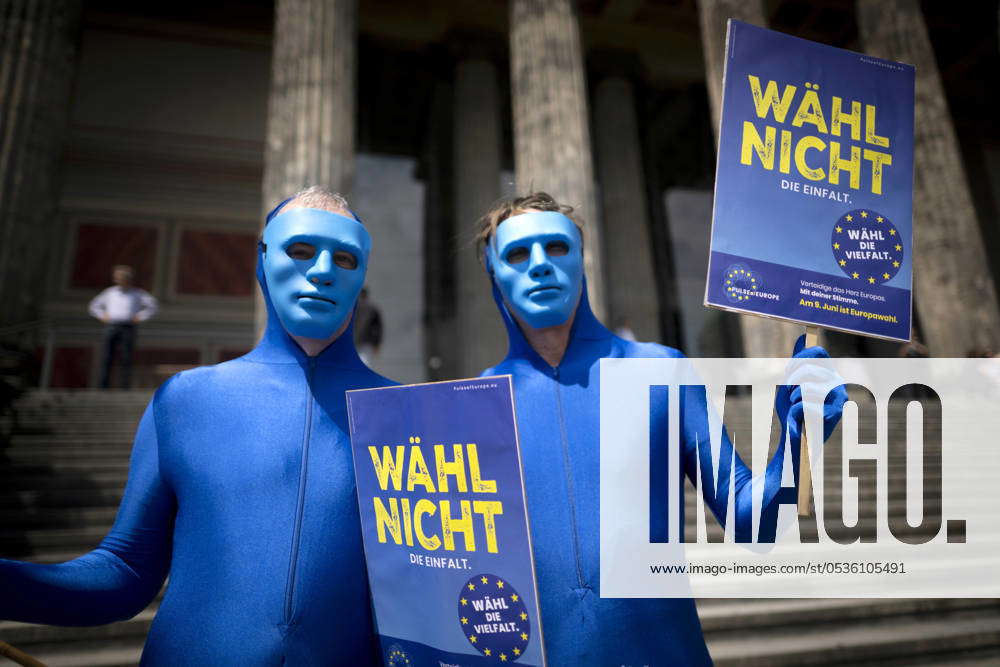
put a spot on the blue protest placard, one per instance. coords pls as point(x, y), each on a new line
point(812, 219)
point(446, 534)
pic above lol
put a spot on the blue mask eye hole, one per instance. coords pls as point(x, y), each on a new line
point(301, 251)
point(518, 255)
point(556, 248)
point(345, 260)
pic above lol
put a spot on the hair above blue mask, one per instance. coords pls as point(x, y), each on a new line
point(536, 260)
point(314, 265)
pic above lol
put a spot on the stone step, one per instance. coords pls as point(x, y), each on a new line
point(988, 657)
point(42, 440)
point(70, 466)
point(727, 615)
point(53, 517)
point(28, 635)
point(40, 454)
point(868, 640)
point(117, 653)
point(61, 395)
point(102, 479)
point(89, 495)
point(49, 539)
point(81, 427)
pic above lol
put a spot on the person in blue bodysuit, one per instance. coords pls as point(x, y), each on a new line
point(241, 483)
point(533, 253)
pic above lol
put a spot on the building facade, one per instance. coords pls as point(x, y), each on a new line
point(157, 138)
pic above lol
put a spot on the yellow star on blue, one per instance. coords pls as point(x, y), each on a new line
point(499, 583)
point(849, 218)
point(465, 621)
point(885, 275)
point(898, 247)
point(896, 264)
point(524, 636)
point(864, 214)
point(486, 651)
point(839, 229)
point(871, 279)
point(892, 232)
point(879, 219)
point(836, 246)
point(484, 580)
point(854, 275)
point(843, 262)
point(472, 586)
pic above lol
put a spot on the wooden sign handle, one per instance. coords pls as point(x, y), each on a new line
point(19, 656)
point(805, 471)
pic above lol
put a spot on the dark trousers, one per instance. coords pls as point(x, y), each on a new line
point(118, 341)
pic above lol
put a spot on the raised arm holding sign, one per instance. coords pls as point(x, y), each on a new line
point(812, 219)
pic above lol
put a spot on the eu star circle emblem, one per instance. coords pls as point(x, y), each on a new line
point(867, 246)
point(396, 657)
point(739, 282)
point(494, 617)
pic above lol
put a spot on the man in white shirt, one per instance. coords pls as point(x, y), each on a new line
point(121, 307)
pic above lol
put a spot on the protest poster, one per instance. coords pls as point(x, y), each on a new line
point(812, 219)
point(446, 536)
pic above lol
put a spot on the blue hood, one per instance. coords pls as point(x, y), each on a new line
point(587, 335)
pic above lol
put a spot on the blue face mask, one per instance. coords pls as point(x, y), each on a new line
point(537, 261)
point(314, 264)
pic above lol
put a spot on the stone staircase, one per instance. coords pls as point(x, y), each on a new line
point(62, 476)
point(61, 479)
point(823, 631)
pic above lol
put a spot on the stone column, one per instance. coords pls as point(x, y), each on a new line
point(38, 42)
point(761, 337)
point(441, 348)
point(631, 282)
point(476, 153)
point(551, 133)
point(311, 111)
point(954, 291)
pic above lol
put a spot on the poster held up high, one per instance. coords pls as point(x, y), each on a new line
point(812, 219)
point(447, 542)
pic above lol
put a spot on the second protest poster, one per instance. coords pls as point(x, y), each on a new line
point(447, 542)
point(813, 205)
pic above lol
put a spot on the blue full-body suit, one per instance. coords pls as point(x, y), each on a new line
point(241, 488)
point(558, 412)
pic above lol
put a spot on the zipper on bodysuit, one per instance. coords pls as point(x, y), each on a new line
point(569, 480)
point(300, 502)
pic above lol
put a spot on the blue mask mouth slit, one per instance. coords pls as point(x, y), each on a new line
point(317, 298)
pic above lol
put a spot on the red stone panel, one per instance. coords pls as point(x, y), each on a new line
point(71, 367)
point(100, 247)
point(214, 263)
point(152, 365)
point(231, 353)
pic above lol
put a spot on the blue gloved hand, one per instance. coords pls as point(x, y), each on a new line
point(788, 401)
